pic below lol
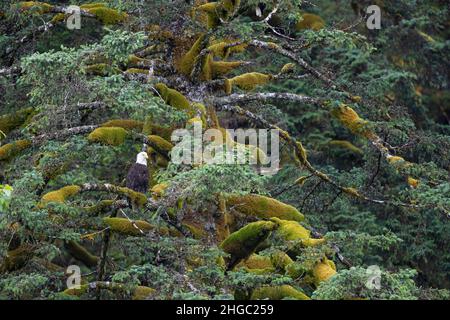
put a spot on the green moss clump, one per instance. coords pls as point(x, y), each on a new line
point(113, 136)
point(78, 292)
point(256, 261)
point(310, 21)
point(278, 293)
point(12, 149)
point(291, 230)
point(247, 81)
point(137, 198)
point(41, 7)
point(231, 5)
point(139, 293)
point(59, 17)
point(280, 260)
point(214, 69)
point(242, 243)
point(218, 10)
point(17, 258)
point(223, 49)
point(106, 15)
point(263, 207)
point(173, 98)
point(187, 61)
point(9, 122)
point(61, 195)
point(159, 189)
point(142, 293)
point(98, 69)
point(323, 270)
point(135, 61)
point(211, 9)
point(288, 68)
point(160, 143)
point(351, 120)
point(126, 227)
point(195, 229)
point(125, 124)
point(136, 71)
point(81, 253)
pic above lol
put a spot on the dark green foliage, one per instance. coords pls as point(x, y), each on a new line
point(395, 78)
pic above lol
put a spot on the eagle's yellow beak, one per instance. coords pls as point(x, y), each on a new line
point(145, 155)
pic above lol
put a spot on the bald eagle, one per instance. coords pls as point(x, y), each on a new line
point(137, 177)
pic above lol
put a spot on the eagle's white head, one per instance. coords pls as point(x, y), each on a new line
point(142, 158)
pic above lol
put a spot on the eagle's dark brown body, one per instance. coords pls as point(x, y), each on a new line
point(137, 178)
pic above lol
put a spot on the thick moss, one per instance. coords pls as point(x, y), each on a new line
point(158, 190)
point(59, 17)
point(211, 9)
point(9, 122)
point(41, 7)
point(216, 69)
point(161, 143)
point(242, 243)
point(256, 261)
point(288, 68)
point(61, 195)
point(218, 10)
point(351, 191)
point(195, 229)
point(302, 156)
point(291, 230)
point(323, 271)
point(12, 149)
point(139, 293)
point(351, 120)
point(280, 260)
point(173, 98)
point(414, 183)
point(17, 258)
point(78, 292)
point(395, 159)
point(81, 253)
point(126, 124)
point(136, 71)
point(106, 15)
point(113, 136)
point(247, 81)
point(278, 293)
point(263, 207)
point(231, 5)
point(310, 21)
point(126, 227)
point(222, 49)
point(142, 293)
point(98, 69)
point(137, 198)
point(135, 61)
point(187, 61)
